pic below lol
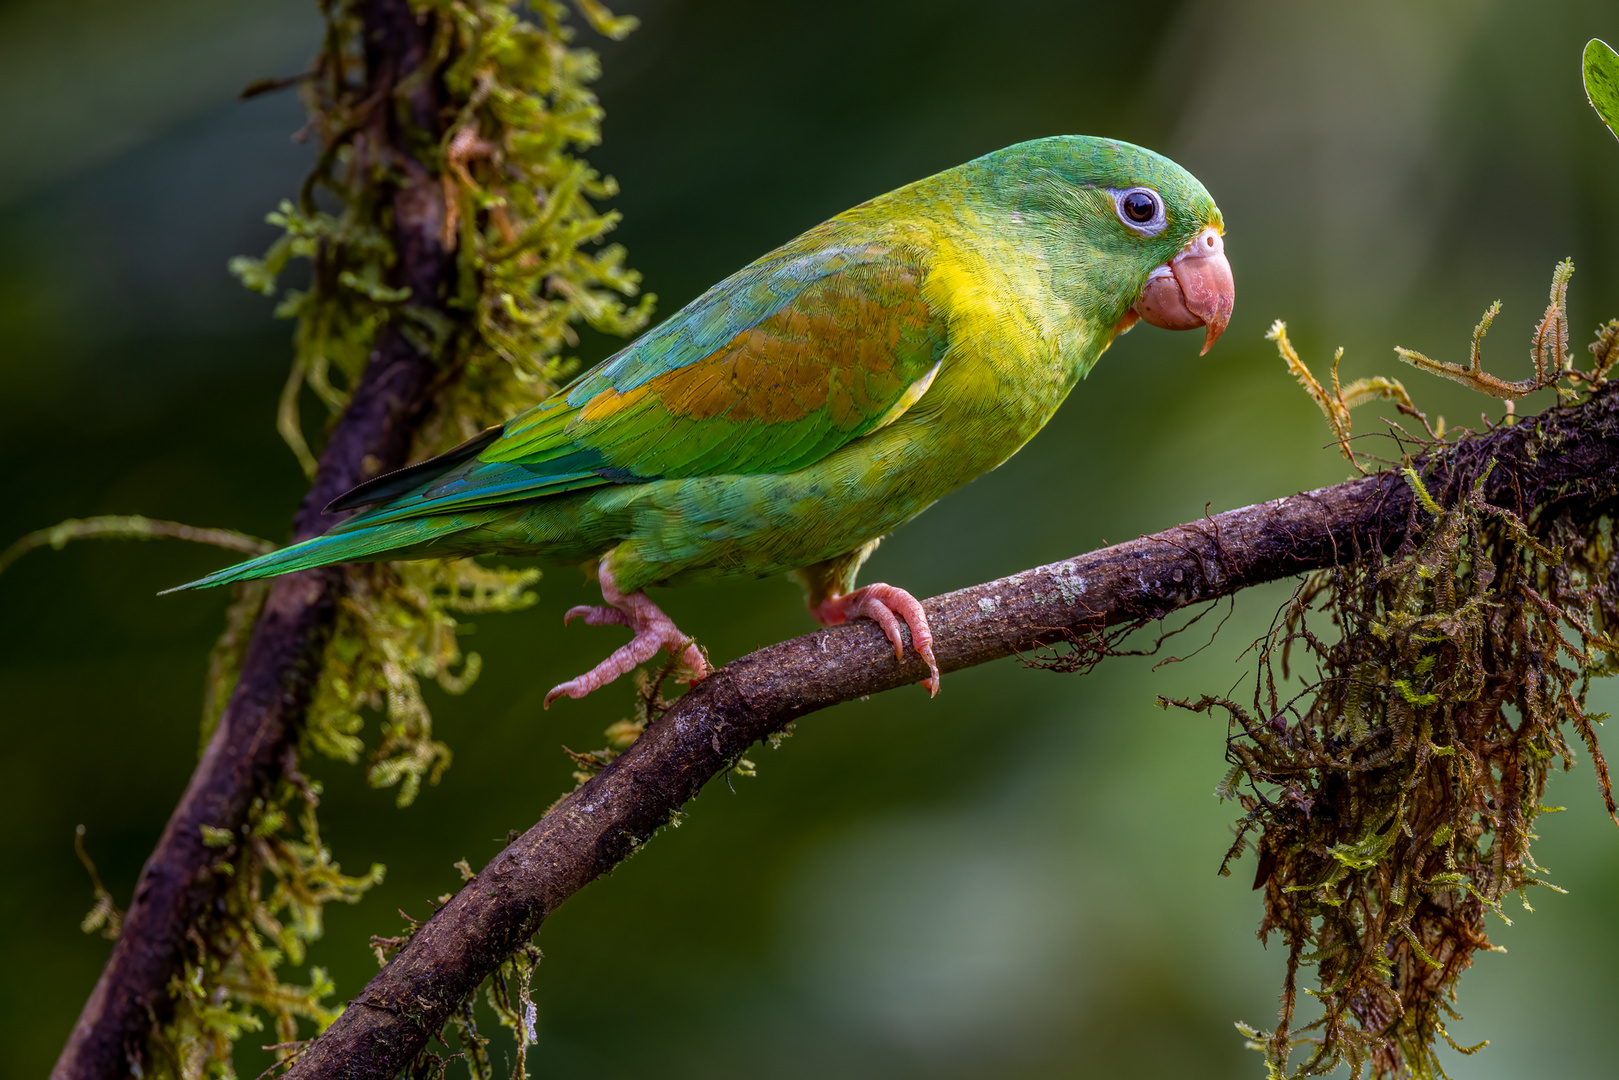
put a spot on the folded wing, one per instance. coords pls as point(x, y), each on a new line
point(767, 372)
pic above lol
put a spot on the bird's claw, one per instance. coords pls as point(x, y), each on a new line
point(596, 615)
point(881, 603)
point(653, 631)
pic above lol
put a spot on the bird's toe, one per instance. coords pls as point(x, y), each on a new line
point(887, 606)
point(653, 631)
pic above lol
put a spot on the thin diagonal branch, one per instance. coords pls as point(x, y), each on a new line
point(1541, 463)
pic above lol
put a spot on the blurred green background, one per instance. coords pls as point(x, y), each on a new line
point(1015, 880)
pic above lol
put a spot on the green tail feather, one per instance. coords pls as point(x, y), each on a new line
point(356, 545)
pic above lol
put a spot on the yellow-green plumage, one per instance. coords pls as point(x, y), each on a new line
point(812, 402)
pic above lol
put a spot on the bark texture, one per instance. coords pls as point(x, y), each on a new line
point(260, 724)
point(1568, 453)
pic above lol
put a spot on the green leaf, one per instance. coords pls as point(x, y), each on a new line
point(1602, 82)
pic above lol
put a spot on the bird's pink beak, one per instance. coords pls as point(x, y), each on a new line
point(1193, 289)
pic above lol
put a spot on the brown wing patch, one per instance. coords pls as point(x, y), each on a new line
point(610, 402)
point(833, 348)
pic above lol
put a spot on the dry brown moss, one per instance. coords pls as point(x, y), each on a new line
point(1394, 796)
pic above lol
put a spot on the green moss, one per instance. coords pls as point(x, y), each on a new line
point(530, 267)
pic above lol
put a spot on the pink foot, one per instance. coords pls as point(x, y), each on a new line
point(881, 603)
point(653, 631)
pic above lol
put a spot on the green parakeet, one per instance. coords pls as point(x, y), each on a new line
point(801, 409)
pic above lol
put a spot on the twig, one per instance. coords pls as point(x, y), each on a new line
point(128, 527)
point(590, 831)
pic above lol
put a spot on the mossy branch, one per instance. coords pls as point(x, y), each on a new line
point(455, 248)
point(1568, 456)
point(254, 742)
point(1392, 801)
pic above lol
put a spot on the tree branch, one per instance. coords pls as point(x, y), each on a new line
point(260, 725)
point(1543, 463)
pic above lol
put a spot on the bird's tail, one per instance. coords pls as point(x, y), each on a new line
point(352, 545)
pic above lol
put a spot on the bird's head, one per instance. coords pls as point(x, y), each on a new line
point(1128, 233)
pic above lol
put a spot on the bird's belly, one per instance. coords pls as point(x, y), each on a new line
point(698, 530)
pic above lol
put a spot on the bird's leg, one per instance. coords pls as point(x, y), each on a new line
point(653, 631)
point(881, 604)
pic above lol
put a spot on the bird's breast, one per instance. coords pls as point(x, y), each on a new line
point(1011, 362)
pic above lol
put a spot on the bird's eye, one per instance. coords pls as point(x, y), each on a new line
point(1140, 208)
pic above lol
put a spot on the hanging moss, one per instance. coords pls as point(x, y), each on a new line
point(530, 266)
point(1394, 796)
point(281, 875)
